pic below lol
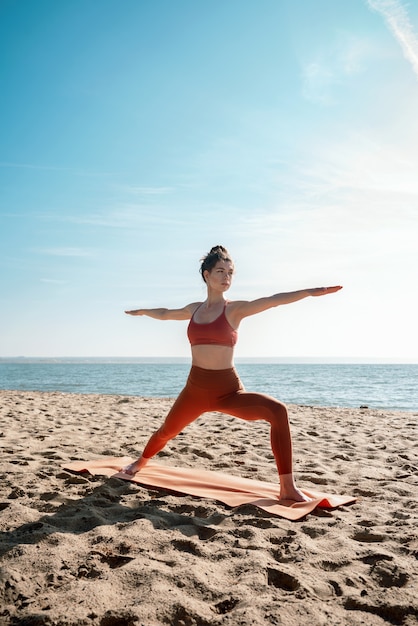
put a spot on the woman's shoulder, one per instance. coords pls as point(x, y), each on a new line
point(233, 311)
point(234, 305)
point(192, 307)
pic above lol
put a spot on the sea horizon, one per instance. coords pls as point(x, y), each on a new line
point(286, 360)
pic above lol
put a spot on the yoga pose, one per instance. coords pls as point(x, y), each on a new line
point(213, 383)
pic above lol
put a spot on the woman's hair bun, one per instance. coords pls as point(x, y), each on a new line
point(216, 249)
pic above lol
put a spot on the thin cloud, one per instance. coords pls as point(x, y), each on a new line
point(30, 166)
point(317, 79)
point(53, 168)
point(396, 16)
point(146, 191)
point(130, 216)
point(127, 217)
point(332, 67)
point(65, 252)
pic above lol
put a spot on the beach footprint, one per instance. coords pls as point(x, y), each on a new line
point(282, 580)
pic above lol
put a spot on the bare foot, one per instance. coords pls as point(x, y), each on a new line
point(289, 491)
point(295, 495)
point(133, 468)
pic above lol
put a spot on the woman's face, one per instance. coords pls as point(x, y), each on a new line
point(220, 277)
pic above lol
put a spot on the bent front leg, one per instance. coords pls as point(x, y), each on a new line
point(184, 411)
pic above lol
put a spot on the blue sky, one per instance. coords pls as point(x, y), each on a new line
point(136, 134)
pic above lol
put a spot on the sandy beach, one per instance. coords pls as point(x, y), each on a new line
point(92, 550)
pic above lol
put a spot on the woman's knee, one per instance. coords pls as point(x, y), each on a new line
point(278, 414)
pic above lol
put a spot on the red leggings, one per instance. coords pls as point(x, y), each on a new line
point(222, 390)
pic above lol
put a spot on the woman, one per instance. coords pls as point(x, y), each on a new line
point(213, 383)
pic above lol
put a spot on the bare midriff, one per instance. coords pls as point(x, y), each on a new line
point(213, 357)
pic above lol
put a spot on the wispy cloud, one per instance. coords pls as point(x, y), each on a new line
point(123, 217)
point(317, 79)
point(362, 163)
point(359, 194)
point(65, 252)
point(396, 16)
point(129, 216)
point(52, 168)
point(330, 67)
point(31, 166)
point(146, 191)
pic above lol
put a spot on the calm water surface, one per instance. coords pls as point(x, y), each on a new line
point(386, 386)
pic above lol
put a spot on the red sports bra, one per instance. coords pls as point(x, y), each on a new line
point(216, 333)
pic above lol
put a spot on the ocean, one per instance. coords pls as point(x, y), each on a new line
point(377, 386)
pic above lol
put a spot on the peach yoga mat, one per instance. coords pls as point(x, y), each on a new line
point(231, 490)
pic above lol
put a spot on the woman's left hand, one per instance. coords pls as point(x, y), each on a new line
point(323, 291)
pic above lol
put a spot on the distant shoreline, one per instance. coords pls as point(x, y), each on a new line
point(184, 360)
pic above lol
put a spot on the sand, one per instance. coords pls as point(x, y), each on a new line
point(91, 550)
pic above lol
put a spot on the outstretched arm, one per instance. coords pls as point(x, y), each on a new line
point(184, 313)
point(246, 308)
